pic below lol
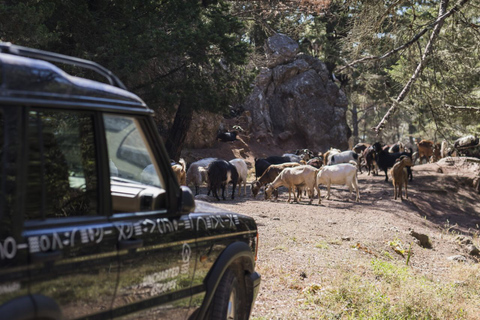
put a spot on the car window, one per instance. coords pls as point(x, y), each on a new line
point(62, 169)
point(136, 184)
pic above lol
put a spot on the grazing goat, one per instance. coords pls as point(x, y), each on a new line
point(306, 153)
point(242, 170)
point(277, 159)
point(220, 173)
point(397, 147)
point(344, 157)
point(386, 160)
point(371, 160)
point(197, 173)
point(360, 147)
point(297, 177)
point(400, 176)
point(180, 171)
point(340, 174)
point(316, 162)
point(293, 157)
point(466, 141)
point(227, 136)
point(425, 150)
point(269, 175)
point(327, 155)
point(262, 164)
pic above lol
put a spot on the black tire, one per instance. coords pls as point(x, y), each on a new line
point(229, 301)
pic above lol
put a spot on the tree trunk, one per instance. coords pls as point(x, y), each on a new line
point(355, 124)
point(178, 131)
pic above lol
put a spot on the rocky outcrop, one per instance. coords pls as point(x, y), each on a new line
point(203, 130)
point(293, 102)
point(294, 98)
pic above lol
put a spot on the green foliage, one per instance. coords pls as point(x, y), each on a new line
point(166, 51)
point(206, 54)
point(450, 78)
point(389, 291)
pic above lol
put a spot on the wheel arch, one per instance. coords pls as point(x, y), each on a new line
point(237, 254)
point(31, 307)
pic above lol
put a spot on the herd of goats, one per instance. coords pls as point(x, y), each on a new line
point(304, 170)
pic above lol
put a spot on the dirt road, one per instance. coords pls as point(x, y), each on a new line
point(304, 247)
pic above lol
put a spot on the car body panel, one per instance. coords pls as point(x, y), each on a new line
point(143, 251)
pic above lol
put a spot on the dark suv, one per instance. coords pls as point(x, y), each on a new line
point(93, 222)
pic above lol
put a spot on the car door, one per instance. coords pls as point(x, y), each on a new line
point(71, 242)
point(156, 245)
point(13, 248)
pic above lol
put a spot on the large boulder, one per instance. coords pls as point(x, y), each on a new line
point(296, 99)
point(280, 49)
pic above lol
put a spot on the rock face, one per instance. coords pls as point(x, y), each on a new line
point(294, 98)
point(203, 130)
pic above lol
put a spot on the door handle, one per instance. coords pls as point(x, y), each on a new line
point(46, 256)
point(130, 244)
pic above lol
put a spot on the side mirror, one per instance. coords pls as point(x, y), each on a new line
point(187, 201)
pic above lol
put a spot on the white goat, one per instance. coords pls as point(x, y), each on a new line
point(293, 157)
point(295, 177)
point(343, 157)
point(242, 170)
point(327, 155)
point(197, 172)
point(340, 174)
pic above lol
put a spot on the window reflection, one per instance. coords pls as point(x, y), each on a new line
point(135, 182)
point(62, 170)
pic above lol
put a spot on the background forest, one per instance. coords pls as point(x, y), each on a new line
point(409, 68)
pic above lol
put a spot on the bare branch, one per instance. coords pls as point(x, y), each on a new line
point(462, 108)
point(440, 19)
point(428, 49)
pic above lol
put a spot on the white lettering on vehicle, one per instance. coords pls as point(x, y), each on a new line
point(55, 241)
point(8, 249)
point(186, 254)
point(10, 287)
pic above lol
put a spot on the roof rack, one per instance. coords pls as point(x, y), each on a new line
point(7, 47)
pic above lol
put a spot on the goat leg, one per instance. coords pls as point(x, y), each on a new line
point(233, 191)
point(223, 191)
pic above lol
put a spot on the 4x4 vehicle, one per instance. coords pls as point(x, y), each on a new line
point(93, 222)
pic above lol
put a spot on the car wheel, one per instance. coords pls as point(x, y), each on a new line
point(229, 299)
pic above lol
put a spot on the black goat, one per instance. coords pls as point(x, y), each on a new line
point(262, 164)
point(370, 158)
point(220, 173)
point(386, 160)
point(227, 136)
point(278, 159)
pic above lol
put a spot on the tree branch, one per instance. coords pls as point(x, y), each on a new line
point(159, 77)
point(440, 19)
point(428, 49)
point(462, 108)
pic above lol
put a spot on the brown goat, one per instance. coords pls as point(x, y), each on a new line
point(180, 172)
point(400, 176)
point(425, 150)
point(269, 175)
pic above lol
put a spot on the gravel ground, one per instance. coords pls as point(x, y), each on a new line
point(303, 246)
